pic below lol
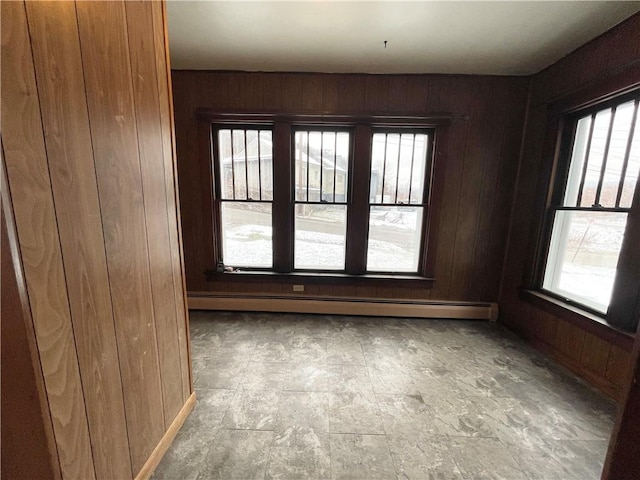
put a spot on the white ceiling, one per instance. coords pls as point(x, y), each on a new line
point(504, 38)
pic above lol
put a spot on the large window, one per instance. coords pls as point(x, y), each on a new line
point(345, 199)
point(597, 181)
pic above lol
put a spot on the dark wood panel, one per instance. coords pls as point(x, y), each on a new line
point(623, 456)
point(584, 75)
point(595, 354)
point(103, 35)
point(55, 41)
point(36, 226)
point(479, 249)
point(139, 17)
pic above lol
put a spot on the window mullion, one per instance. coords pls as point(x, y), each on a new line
point(282, 199)
point(358, 211)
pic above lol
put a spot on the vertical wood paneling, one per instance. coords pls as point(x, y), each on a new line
point(28, 444)
point(36, 225)
point(471, 229)
point(173, 210)
point(599, 61)
point(452, 180)
point(59, 74)
point(103, 35)
point(145, 88)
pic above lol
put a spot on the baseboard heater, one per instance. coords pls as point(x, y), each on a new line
point(343, 306)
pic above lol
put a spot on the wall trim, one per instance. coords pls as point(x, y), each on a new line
point(343, 306)
point(167, 439)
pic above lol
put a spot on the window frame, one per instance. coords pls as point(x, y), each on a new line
point(426, 192)
point(320, 127)
point(563, 122)
point(217, 178)
point(283, 126)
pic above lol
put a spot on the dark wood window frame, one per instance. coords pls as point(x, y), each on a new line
point(283, 127)
point(624, 308)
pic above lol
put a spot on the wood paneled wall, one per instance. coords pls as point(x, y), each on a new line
point(479, 160)
point(27, 432)
point(87, 137)
point(604, 60)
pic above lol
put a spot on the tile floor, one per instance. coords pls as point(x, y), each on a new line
point(317, 396)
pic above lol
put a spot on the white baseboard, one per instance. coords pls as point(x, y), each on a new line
point(343, 306)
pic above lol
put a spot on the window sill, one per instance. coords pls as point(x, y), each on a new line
point(368, 280)
point(579, 317)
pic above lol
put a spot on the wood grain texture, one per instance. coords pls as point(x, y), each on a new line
point(28, 176)
point(173, 210)
point(58, 62)
point(471, 224)
point(578, 75)
point(27, 438)
point(144, 75)
point(103, 38)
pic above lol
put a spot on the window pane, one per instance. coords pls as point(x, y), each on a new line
point(227, 168)
point(615, 156)
point(394, 239)
point(596, 155)
point(320, 232)
point(583, 255)
point(246, 234)
point(633, 169)
point(398, 164)
point(321, 164)
point(577, 162)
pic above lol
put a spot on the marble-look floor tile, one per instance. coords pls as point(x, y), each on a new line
point(340, 352)
point(364, 457)
point(185, 457)
point(392, 379)
point(352, 412)
point(492, 407)
point(308, 350)
point(303, 409)
point(423, 457)
point(406, 415)
point(264, 376)
point(350, 378)
point(237, 454)
point(211, 405)
point(300, 452)
point(272, 351)
point(225, 375)
point(252, 410)
point(481, 458)
point(306, 378)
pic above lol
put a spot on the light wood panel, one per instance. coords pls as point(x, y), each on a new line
point(87, 127)
point(478, 159)
point(29, 182)
point(103, 37)
point(58, 62)
point(173, 211)
point(28, 444)
point(139, 17)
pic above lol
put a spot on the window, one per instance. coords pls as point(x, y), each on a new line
point(245, 195)
point(396, 201)
point(319, 198)
point(595, 193)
